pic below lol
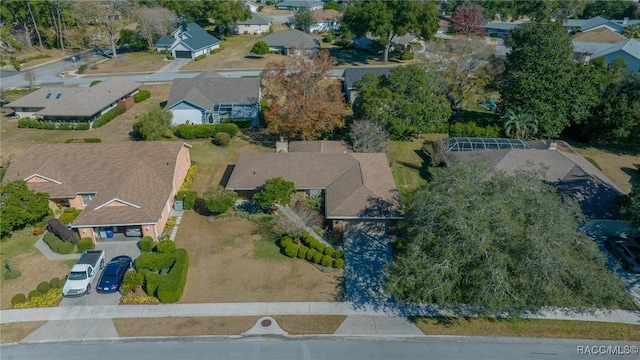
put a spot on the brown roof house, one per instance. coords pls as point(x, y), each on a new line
point(75, 104)
point(115, 184)
point(355, 186)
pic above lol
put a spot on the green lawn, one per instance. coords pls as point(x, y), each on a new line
point(408, 165)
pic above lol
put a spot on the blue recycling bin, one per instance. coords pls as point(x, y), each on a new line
point(109, 232)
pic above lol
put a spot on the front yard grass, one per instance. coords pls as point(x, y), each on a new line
point(22, 255)
point(558, 329)
point(15, 332)
point(224, 266)
point(128, 62)
point(223, 325)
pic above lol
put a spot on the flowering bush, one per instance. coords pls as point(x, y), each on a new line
point(50, 299)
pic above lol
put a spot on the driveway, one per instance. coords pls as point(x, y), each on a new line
point(112, 249)
point(632, 280)
point(366, 251)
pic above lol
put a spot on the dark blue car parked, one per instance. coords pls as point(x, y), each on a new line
point(113, 274)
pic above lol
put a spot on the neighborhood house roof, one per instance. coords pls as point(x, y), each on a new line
point(567, 171)
point(135, 176)
point(351, 75)
point(290, 38)
point(601, 35)
point(204, 92)
point(75, 101)
point(356, 185)
point(165, 41)
point(589, 47)
point(255, 19)
point(631, 47)
point(195, 37)
point(299, 3)
point(587, 24)
point(325, 15)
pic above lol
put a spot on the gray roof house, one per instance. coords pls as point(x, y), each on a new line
point(628, 50)
point(355, 186)
point(188, 41)
point(352, 75)
point(75, 104)
point(256, 24)
point(597, 23)
point(570, 173)
point(589, 42)
point(286, 40)
point(210, 98)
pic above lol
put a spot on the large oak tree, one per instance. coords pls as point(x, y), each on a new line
point(480, 242)
point(388, 19)
point(303, 100)
point(20, 207)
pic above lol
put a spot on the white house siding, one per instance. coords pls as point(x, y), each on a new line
point(252, 29)
point(324, 26)
point(184, 113)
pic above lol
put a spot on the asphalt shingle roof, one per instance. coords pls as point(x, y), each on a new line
point(631, 47)
point(197, 38)
point(204, 92)
point(291, 38)
point(75, 101)
point(351, 75)
point(255, 19)
point(356, 185)
point(137, 173)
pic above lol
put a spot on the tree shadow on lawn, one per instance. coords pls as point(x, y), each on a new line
point(355, 57)
point(260, 136)
point(633, 150)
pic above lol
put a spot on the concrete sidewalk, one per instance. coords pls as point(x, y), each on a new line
point(264, 309)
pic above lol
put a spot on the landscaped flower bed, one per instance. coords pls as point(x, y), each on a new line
point(312, 250)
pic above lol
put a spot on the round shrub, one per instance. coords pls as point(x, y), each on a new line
point(327, 261)
point(146, 244)
point(291, 250)
point(339, 254)
point(406, 56)
point(49, 237)
point(66, 247)
point(320, 247)
point(286, 241)
point(86, 244)
point(222, 139)
point(18, 299)
point(43, 287)
point(329, 38)
point(56, 283)
point(329, 251)
point(55, 245)
point(166, 247)
point(339, 263)
point(310, 254)
point(317, 257)
point(302, 252)
point(33, 294)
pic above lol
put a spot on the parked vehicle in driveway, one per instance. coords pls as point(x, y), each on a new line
point(113, 274)
point(627, 252)
point(133, 231)
point(83, 273)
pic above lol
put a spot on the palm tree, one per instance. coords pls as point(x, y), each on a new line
point(632, 31)
point(519, 124)
point(132, 281)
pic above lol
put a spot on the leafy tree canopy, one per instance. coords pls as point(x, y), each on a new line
point(390, 18)
point(468, 19)
point(275, 190)
point(260, 48)
point(154, 125)
point(480, 242)
point(303, 18)
point(20, 207)
point(410, 100)
point(304, 102)
point(618, 9)
point(541, 78)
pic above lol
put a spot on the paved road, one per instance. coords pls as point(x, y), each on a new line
point(322, 348)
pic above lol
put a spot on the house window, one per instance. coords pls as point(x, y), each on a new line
point(86, 198)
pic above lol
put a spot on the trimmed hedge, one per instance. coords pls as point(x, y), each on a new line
point(146, 244)
point(406, 56)
point(28, 123)
point(339, 254)
point(310, 254)
point(43, 287)
point(60, 230)
point(86, 244)
point(108, 116)
point(302, 252)
point(291, 250)
point(33, 294)
point(339, 264)
point(141, 96)
point(189, 131)
point(327, 261)
point(242, 124)
point(167, 288)
point(56, 283)
point(222, 139)
point(189, 198)
point(18, 299)
point(166, 247)
point(317, 257)
point(471, 129)
point(69, 215)
point(329, 251)
point(66, 248)
point(286, 241)
point(320, 247)
point(48, 238)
